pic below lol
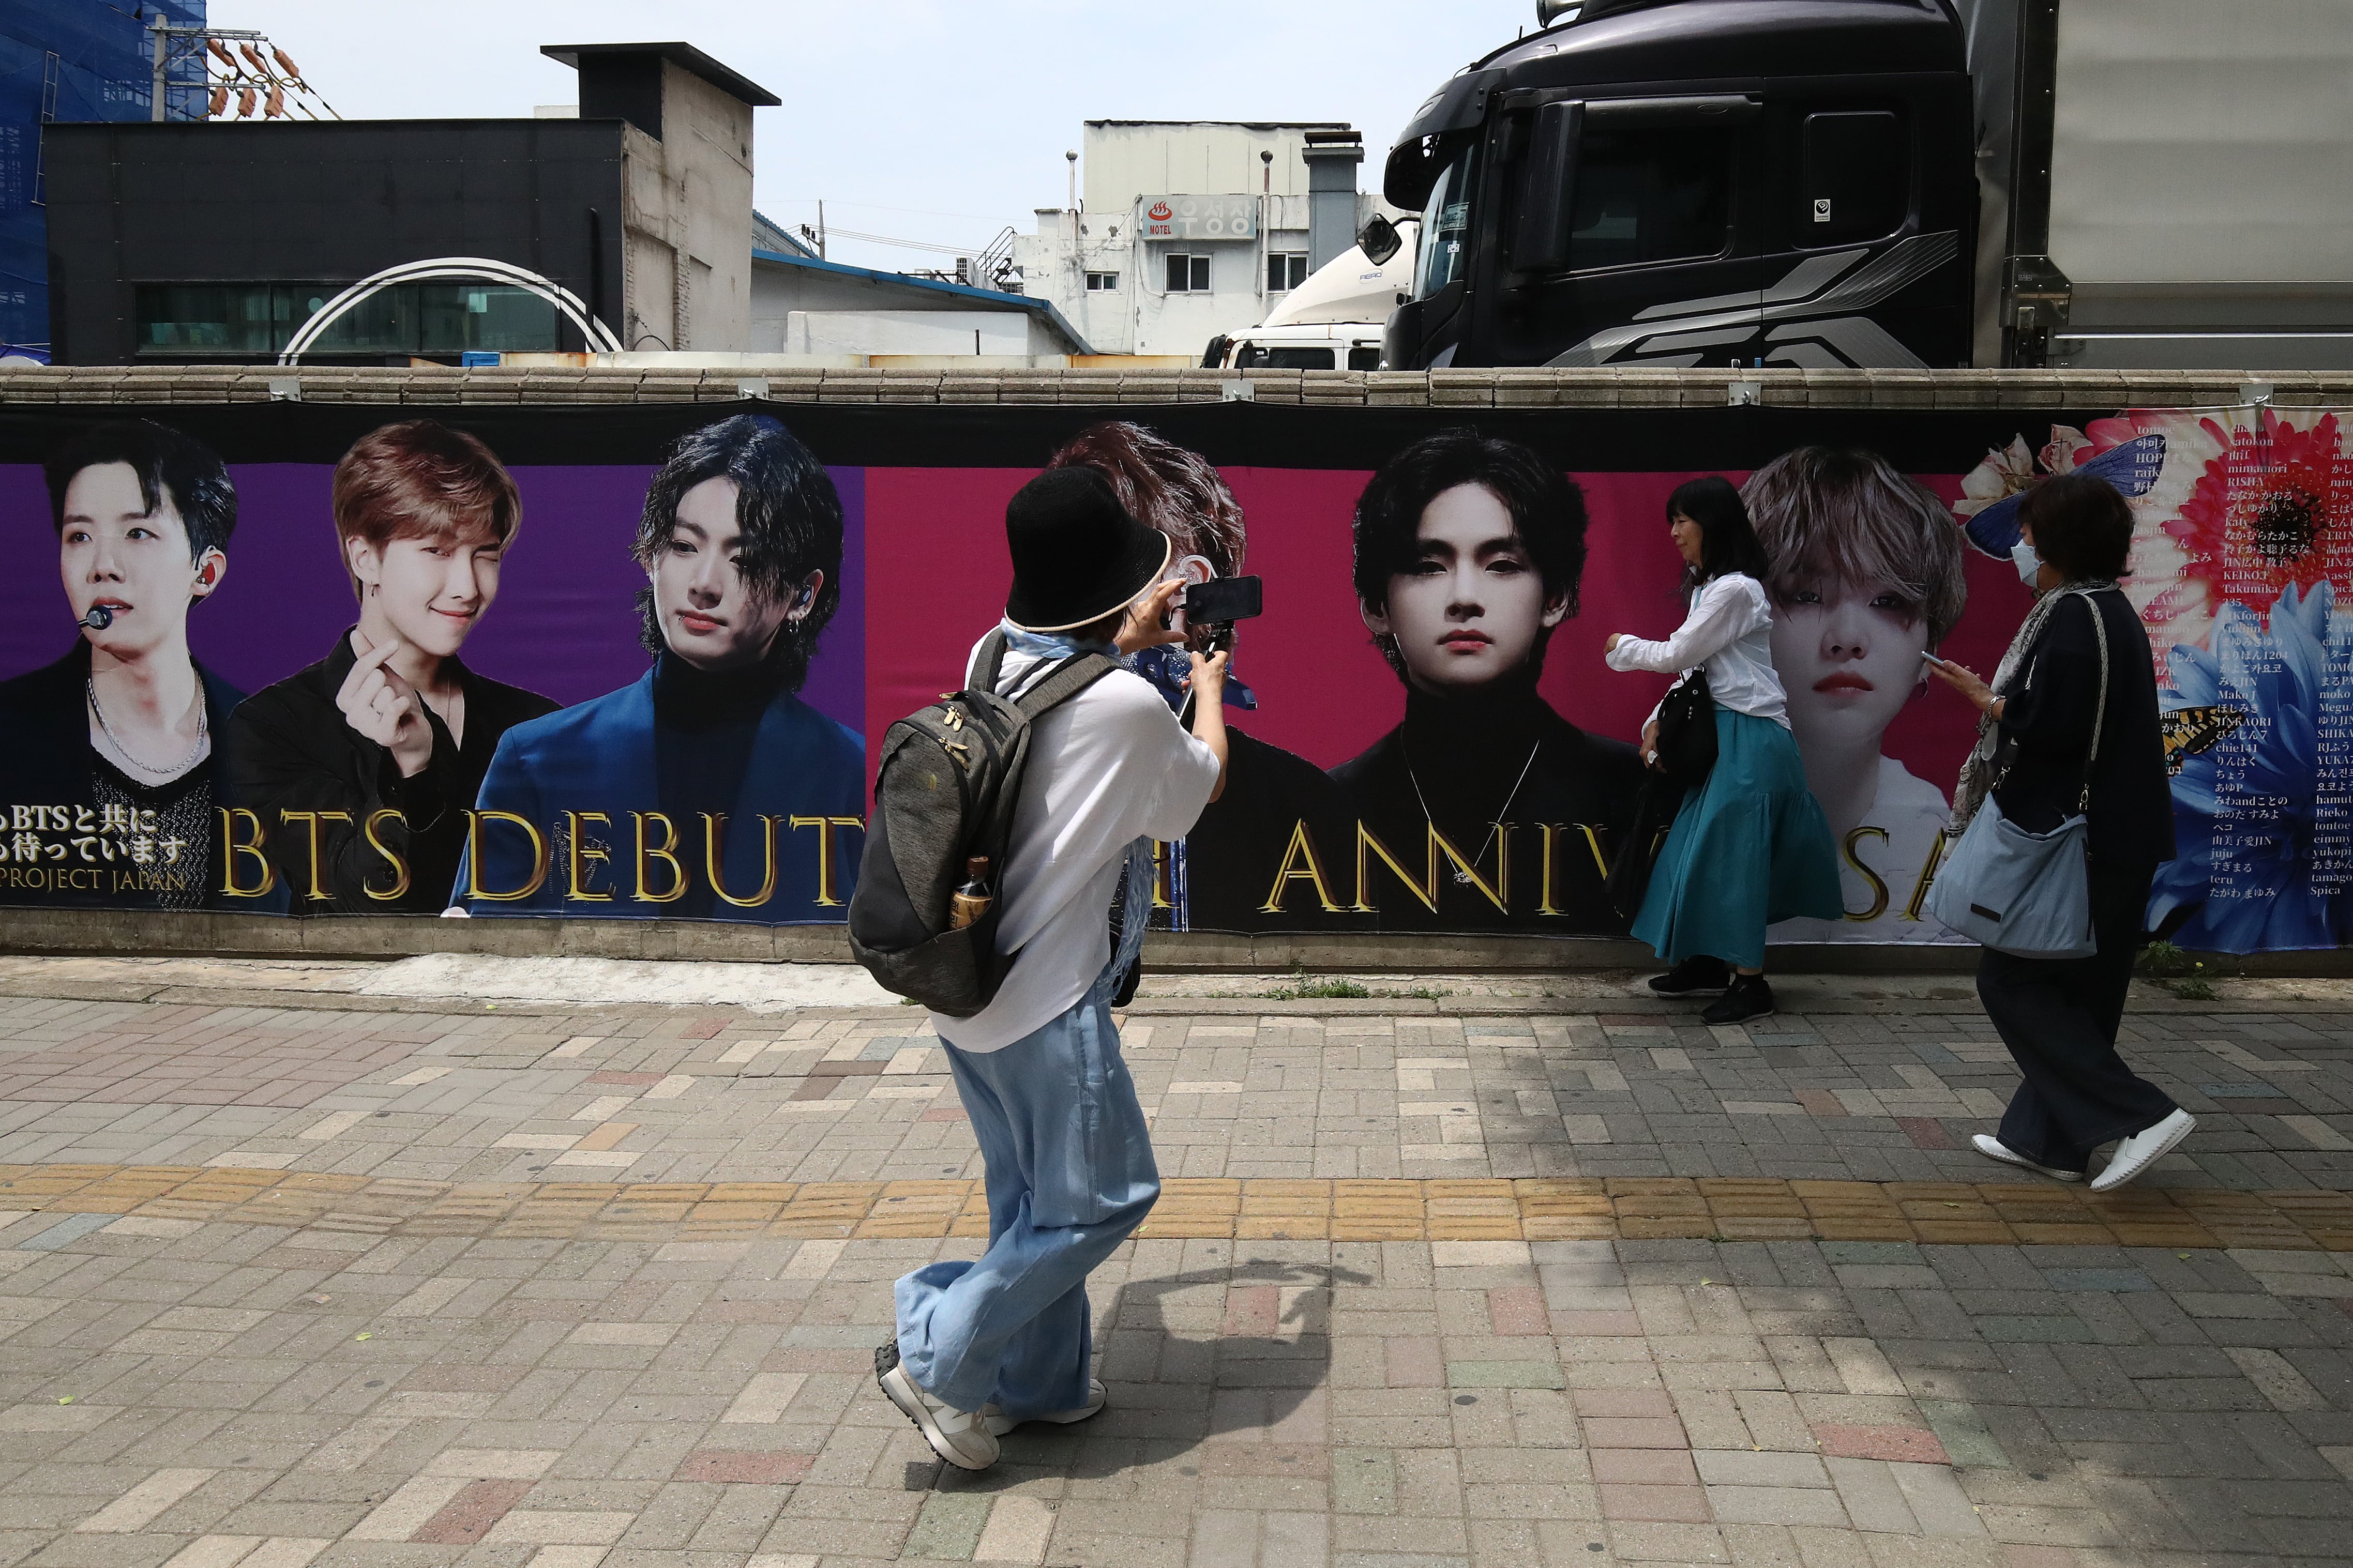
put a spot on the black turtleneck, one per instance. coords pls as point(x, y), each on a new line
point(1495, 753)
point(705, 725)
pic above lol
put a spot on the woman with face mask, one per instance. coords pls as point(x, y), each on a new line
point(1749, 846)
point(2035, 758)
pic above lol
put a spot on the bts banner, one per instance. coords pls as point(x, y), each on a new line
point(631, 662)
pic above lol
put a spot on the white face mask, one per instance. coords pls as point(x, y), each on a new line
point(2029, 564)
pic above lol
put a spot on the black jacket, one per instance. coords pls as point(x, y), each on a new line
point(1464, 758)
point(46, 759)
point(293, 750)
point(2047, 714)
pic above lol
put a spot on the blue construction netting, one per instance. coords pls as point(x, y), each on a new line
point(69, 60)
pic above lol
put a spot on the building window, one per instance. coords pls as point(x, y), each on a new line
point(1188, 274)
point(1285, 270)
point(1102, 282)
point(408, 318)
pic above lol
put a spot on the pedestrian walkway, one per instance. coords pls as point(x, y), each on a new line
point(399, 1282)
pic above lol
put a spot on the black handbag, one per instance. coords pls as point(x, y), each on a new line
point(1686, 743)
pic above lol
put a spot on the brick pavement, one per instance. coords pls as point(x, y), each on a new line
point(1642, 1292)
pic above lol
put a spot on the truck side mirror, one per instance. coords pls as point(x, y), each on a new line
point(1540, 241)
point(1379, 240)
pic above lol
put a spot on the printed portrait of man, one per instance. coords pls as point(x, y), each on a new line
point(360, 767)
point(1469, 552)
point(1866, 577)
point(113, 773)
point(707, 789)
point(1229, 861)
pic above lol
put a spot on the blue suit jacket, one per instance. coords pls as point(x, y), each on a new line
point(598, 757)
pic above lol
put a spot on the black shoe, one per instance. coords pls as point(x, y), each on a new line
point(1694, 974)
point(1747, 997)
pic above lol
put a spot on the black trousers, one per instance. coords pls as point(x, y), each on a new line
point(2059, 1018)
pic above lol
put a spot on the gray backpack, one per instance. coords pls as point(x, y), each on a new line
point(950, 778)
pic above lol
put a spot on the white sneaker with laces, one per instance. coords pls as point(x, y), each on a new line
point(959, 1437)
point(2144, 1149)
point(999, 1424)
point(1993, 1148)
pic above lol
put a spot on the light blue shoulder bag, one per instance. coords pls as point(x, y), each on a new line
point(2026, 894)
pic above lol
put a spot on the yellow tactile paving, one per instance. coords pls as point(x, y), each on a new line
point(1357, 1210)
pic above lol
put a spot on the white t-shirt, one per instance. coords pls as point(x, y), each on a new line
point(1107, 767)
point(1729, 631)
point(1911, 813)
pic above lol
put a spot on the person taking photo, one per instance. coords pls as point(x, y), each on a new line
point(983, 1346)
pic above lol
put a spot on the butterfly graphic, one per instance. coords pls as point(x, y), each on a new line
point(2131, 468)
point(2190, 731)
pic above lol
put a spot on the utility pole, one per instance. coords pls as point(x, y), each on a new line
point(165, 34)
point(821, 230)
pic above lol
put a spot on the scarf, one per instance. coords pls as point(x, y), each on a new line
point(1978, 779)
point(1131, 900)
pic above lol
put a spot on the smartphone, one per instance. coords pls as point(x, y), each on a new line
point(1222, 600)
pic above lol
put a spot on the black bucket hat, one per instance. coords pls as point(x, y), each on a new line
point(1077, 553)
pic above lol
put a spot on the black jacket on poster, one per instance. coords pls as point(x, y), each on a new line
point(1234, 852)
point(1456, 763)
point(295, 752)
point(46, 759)
point(2047, 713)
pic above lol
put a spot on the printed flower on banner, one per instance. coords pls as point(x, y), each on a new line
point(1991, 491)
point(2262, 860)
point(2269, 513)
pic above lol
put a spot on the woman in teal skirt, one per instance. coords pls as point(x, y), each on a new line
point(1750, 846)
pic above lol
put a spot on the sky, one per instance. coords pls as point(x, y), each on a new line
point(913, 119)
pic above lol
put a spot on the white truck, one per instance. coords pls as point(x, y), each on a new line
point(1332, 320)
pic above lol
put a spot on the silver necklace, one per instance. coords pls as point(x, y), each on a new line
point(1461, 877)
point(204, 734)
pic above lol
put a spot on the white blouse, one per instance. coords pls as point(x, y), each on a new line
point(1729, 634)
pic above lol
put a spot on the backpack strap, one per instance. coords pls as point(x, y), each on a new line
point(1064, 681)
point(992, 661)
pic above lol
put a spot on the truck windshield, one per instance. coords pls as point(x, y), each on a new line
point(1446, 225)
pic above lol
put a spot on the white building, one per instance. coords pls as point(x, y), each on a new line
point(1185, 229)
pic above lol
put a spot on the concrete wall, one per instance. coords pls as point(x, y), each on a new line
point(687, 207)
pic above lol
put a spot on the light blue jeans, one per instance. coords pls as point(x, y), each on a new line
point(1071, 1174)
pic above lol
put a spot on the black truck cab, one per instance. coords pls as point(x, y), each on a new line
point(1697, 182)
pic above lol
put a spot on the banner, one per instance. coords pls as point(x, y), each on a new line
point(633, 662)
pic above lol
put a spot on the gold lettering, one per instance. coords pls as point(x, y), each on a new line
point(667, 850)
point(232, 849)
point(1163, 872)
point(581, 860)
point(376, 819)
point(1500, 895)
point(1426, 890)
point(311, 821)
point(1847, 851)
point(714, 829)
point(474, 889)
point(1544, 906)
point(1936, 847)
point(1593, 842)
point(825, 826)
point(1301, 863)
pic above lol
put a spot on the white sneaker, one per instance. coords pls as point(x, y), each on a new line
point(959, 1437)
point(2144, 1149)
point(1993, 1148)
point(998, 1424)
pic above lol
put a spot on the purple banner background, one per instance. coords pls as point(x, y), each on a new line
point(565, 623)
